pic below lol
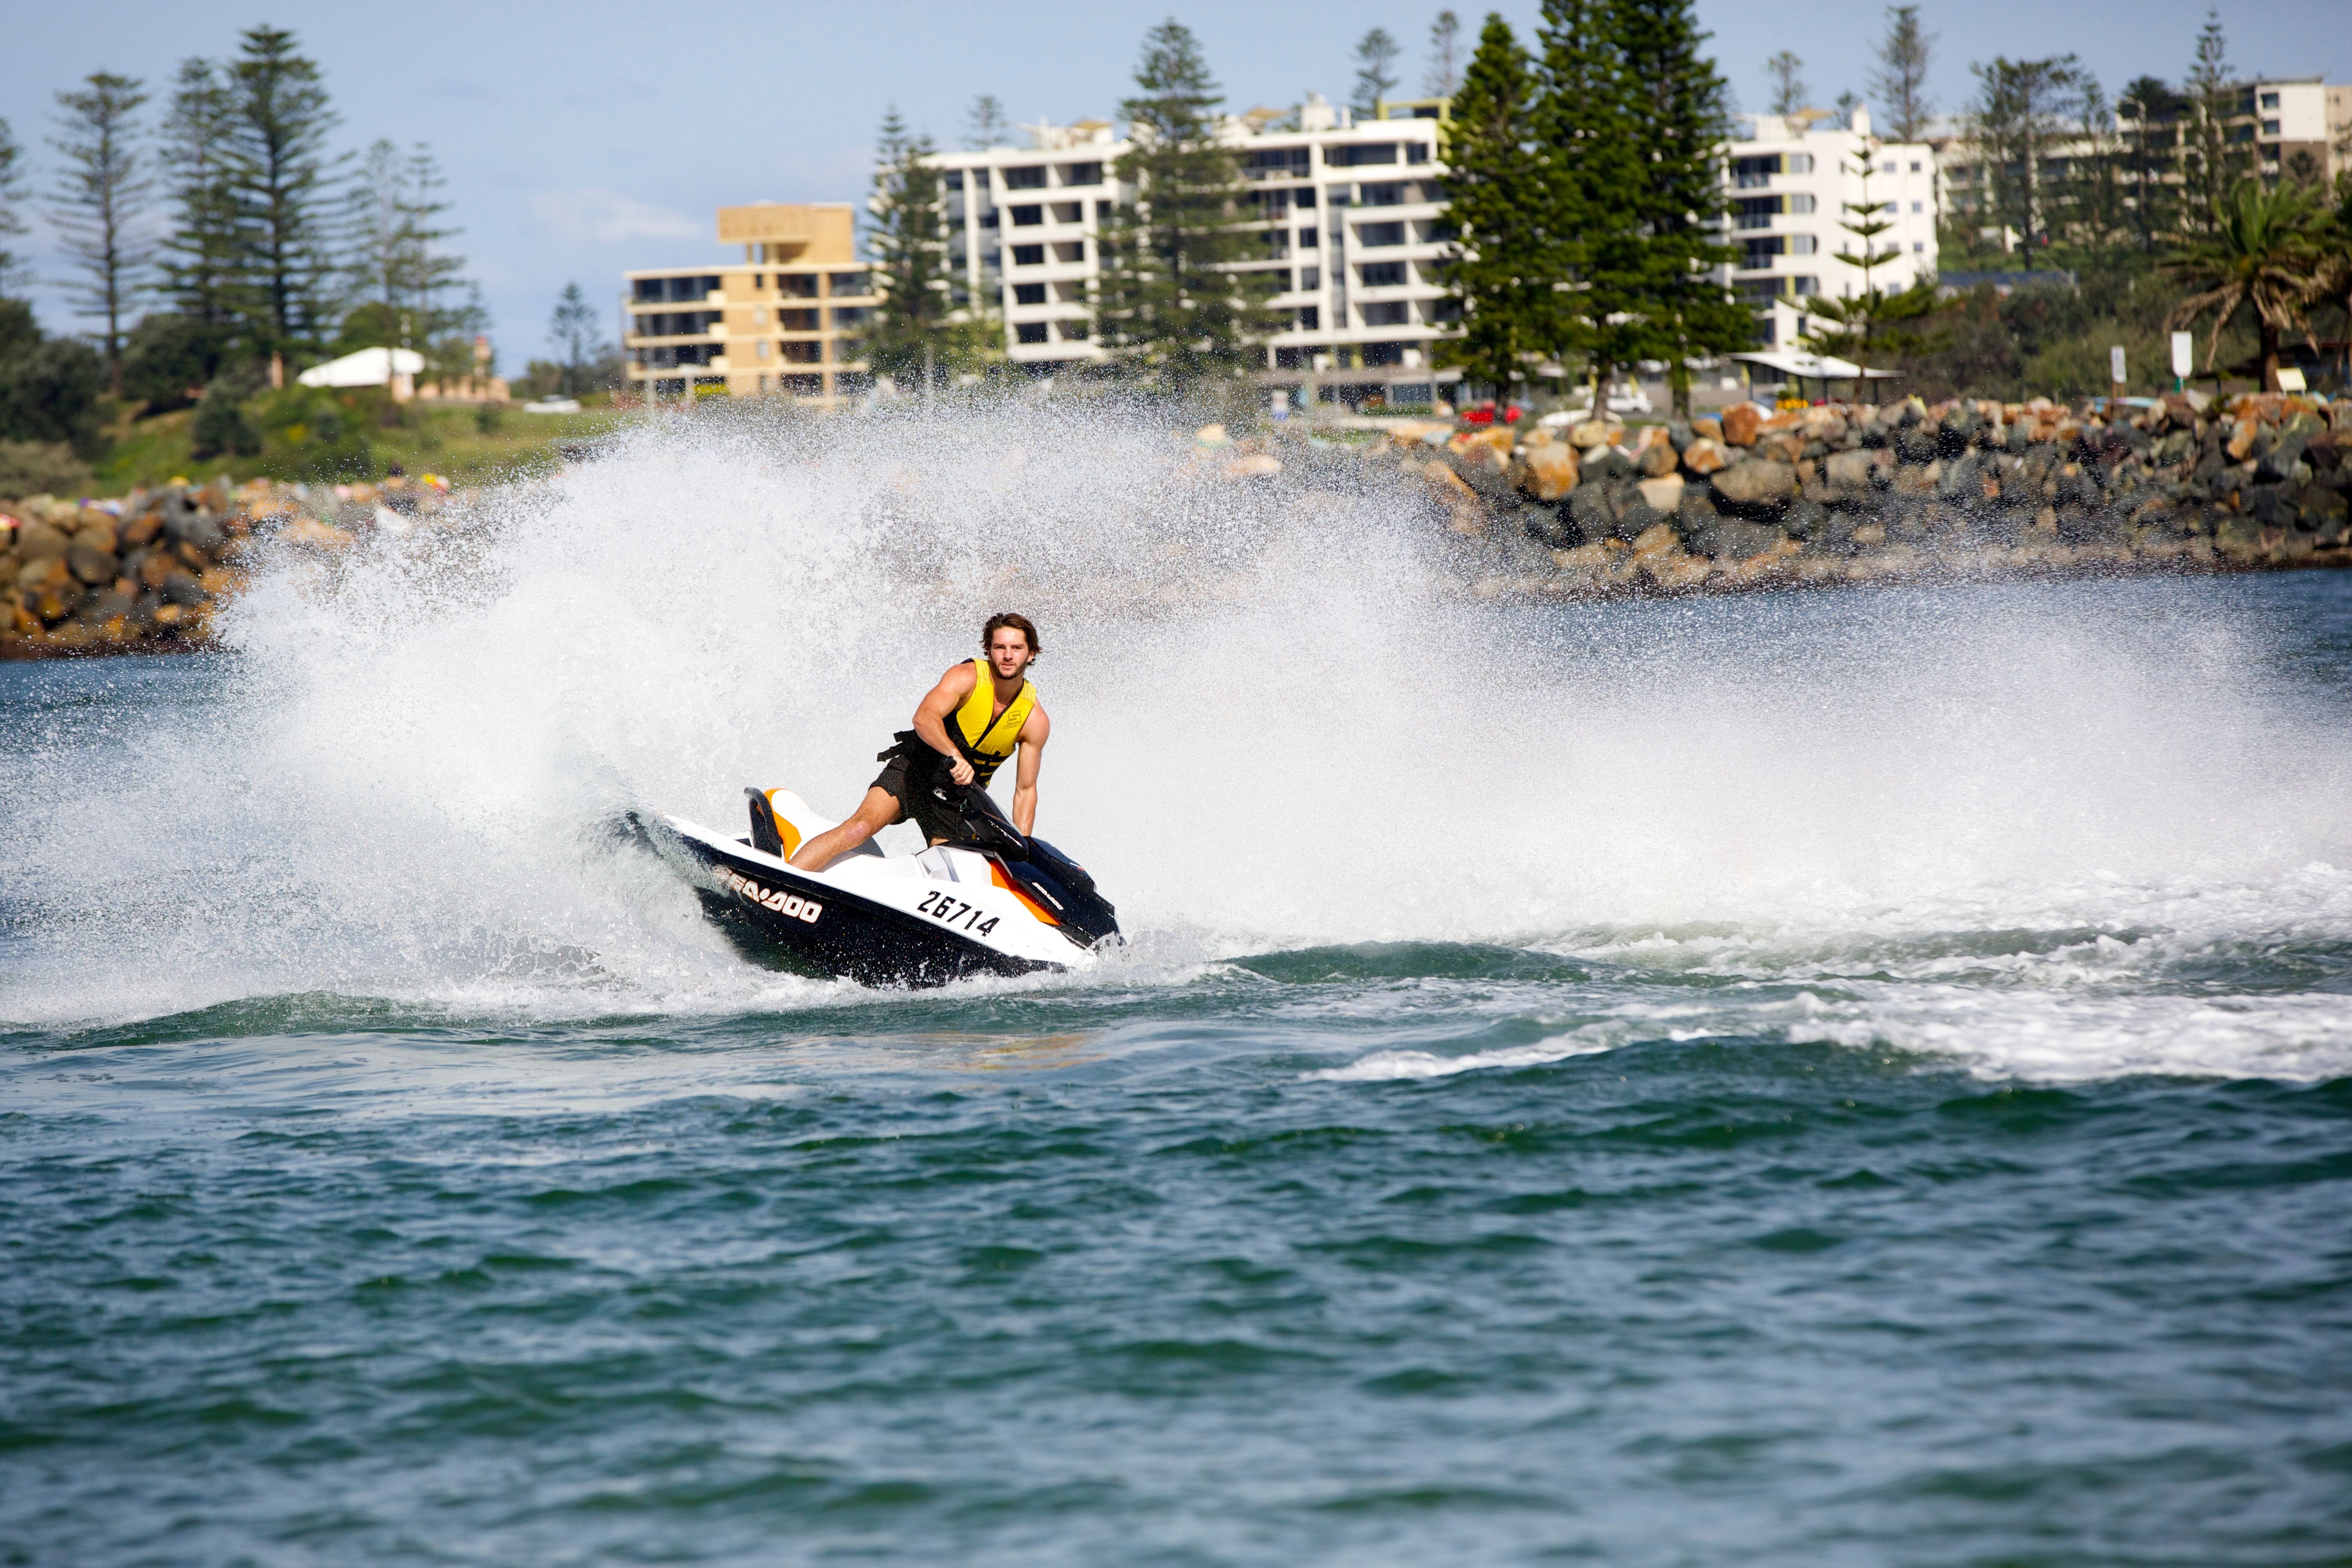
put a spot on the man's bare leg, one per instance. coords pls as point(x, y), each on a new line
point(876, 811)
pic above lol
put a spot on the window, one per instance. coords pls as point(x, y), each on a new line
point(1310, 278)
point(800, 354)
point(1377, 234)
point(2270, 101)
point(1754, 173)
point(1028, 293)
point(1809, 285)
point(1801, 203)
point(1310, 318)
point(1030, 177)
point(1028, 256)
point(1028, 218)
point(855, 316)
point(954, 179)
point(1443, 312)
point(2270, 127)
point(1277, 163)
point(1103, 211)
point(1375, 152)
point(1760, 252)
point(763, 349)
point(849, 283)
point(1800, 163)
point(1396, 313)
point(1082, 173)
point(1381, 274)
point(1416, 152)
point(1389, 195)
point(1919, 247)
point(1801, 244)
point(1305, 240)
point(796, 321)
point(1918, 206)
point(1304, 198)
point(1915, 165)
point(1754, 212)
point(1029, 332)
point(1378, 354)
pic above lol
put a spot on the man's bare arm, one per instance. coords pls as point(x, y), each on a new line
point(932, 718)
point(1024, 780)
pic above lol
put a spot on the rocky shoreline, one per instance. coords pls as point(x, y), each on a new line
point(1819, 496)
point(1835, 493)
point(149, 572)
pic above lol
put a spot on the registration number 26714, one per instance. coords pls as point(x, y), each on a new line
point(946, 906)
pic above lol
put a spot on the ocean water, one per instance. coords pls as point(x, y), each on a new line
point(1810, 1079)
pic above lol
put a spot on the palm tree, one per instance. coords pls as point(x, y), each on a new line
point(2270, 253)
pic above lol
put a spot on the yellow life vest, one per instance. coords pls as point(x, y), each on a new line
point(985, 736)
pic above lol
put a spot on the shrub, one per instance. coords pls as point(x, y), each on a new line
point(309, 432)
point(41, 467)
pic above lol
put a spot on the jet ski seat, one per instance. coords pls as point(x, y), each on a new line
point(772, 832)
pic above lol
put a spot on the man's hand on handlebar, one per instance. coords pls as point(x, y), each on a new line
point(959, 770)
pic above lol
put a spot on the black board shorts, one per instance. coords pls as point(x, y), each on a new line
point(908, 782)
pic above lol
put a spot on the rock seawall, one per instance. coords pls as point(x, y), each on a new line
point(148, 573)
point(1839, 493)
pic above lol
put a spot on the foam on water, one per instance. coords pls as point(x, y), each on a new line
point(1278, 723)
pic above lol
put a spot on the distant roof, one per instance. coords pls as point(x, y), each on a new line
point(369, 367)
point(1815, 367)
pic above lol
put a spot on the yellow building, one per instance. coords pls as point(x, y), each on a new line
point(786, 321)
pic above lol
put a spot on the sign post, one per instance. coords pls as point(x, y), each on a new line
point(2115, 370)
point(2184, 360)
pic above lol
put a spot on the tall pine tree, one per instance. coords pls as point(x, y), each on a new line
point(1501, 268)
point(910, 257)
point(12, 190)
point(102, 194)
point(1681, 104)
point(283, 183)
point(199, 263)
point(1178, 305)
point(1594, 188)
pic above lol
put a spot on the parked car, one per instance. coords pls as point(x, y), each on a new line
point(1627, 397)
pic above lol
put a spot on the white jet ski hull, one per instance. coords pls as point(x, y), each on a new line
point(948, 913)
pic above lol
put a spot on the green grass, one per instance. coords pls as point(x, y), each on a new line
point(447, 441)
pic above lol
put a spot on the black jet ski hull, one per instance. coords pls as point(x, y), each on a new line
point(766, 909)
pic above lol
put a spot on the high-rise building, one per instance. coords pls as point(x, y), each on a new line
point(1793, 188)
point(784, 321)
point(1351, 215)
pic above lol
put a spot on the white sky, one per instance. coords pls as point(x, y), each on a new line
point(582, 138)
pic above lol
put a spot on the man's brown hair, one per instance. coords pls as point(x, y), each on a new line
point(1018, 623)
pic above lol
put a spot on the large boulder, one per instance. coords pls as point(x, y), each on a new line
point(92, 565)
point(1655, 459)
point(1754, 482)
point(1550, 470)
point(1853, 472)
point(41, 541)
point(1741, 422)
point(1664, 494)
point(1595, 433)
point(1731, 539)
point(1704, 455)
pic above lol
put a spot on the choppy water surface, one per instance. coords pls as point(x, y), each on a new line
point(1852, 1079)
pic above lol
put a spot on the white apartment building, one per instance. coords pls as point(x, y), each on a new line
point(1789, 186)
point(1350, 214)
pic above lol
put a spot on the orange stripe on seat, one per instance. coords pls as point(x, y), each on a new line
point(996, 875)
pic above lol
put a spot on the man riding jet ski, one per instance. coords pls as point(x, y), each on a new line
point(983, 898)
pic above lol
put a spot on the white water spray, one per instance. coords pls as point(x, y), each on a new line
point(1276, 724)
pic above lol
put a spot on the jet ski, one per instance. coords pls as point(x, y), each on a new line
point(990, 900)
